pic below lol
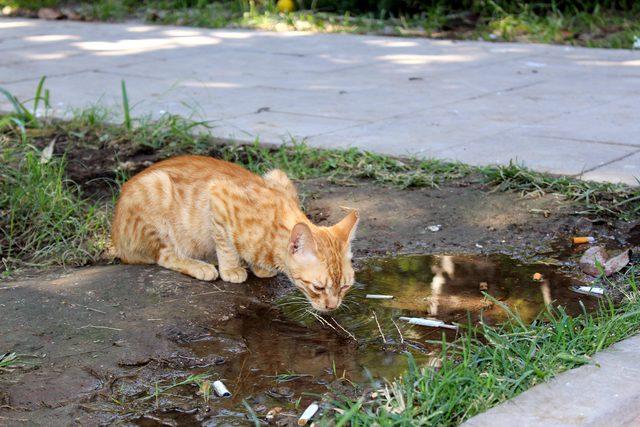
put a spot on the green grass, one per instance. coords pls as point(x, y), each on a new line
point(591, 198)
point(490, 364)
point(46, 219)
point(302, 161)
point(192, 380)
point(593, 24)
point(9, 361)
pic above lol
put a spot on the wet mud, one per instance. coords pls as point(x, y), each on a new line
point(140, 345)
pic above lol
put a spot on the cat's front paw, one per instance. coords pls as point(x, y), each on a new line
point(234, 275)
point(263, 272)
point(204, 271)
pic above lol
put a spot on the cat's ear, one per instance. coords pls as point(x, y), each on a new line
point(346, 229)
point(302, 245)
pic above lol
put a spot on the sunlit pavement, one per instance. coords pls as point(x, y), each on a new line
point(559, 109)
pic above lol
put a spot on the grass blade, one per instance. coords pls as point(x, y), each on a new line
point(125, 106)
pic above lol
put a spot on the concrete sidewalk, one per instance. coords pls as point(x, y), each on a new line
point(554, 108)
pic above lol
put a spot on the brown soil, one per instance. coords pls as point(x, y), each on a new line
point(98, 339)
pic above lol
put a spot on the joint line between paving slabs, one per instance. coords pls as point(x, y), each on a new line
point(617, 159)
point(589, 141)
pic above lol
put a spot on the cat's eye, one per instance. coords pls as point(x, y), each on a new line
point(318, 288)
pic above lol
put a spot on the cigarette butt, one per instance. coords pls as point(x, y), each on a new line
point(433, 323)
point(588, 290)
point(376, 296)
point(537, 277)
point(273, 412)
point(581, 240)
point(221, 389)
point(307, 414)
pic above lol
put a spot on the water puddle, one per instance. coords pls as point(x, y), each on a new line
point(288, 353)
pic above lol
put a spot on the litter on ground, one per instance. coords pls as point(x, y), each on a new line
point(433, 323)
point(377, 296)
point(308, 414)
point(588, 290)
point(221, 389)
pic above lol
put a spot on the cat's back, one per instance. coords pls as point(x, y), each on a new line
point(193, 170)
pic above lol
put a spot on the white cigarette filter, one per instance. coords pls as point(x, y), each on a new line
point(221, 389)
point(433, 323)
point(377, 296)
point(308, 414)
point(591, 290)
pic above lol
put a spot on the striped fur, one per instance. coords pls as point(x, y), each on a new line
point(183, 212)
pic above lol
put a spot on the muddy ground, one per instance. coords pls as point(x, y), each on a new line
point(102, 339)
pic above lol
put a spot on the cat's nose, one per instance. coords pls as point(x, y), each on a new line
point(332, 305)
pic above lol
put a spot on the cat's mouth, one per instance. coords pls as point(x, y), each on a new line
point(322, 309)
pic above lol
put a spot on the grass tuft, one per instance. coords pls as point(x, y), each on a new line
point(9, 361)
point(44, 219)
point(605, 199)
point(47, 220)
point(592, 24)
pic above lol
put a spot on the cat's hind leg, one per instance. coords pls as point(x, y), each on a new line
point(200, 270)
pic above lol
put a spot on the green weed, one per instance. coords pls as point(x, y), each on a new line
point(605, 199)
point(9, 361)
point(192, 380)
point(593, 24)
point(44, 218)
point(288, 377)
point(125, 107)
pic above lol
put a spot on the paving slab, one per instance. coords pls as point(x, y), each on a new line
point(603, 393)
point(559, 109)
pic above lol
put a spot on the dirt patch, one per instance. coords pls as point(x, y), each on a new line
point(461, 217)
point(137, 344)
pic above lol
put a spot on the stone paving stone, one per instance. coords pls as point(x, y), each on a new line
point(479, 102)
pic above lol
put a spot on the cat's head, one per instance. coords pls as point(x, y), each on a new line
point(319, 261)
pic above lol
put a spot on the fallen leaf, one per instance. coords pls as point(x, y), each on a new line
point(596, 259)
point(615, 264)
point(50, 13)
point(47, 152)
point(590, 260)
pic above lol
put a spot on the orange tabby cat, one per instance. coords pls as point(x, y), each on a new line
point(181, 211)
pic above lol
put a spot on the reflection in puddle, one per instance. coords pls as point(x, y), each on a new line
point(273, 345)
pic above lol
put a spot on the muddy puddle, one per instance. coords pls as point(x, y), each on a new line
point(288, 357)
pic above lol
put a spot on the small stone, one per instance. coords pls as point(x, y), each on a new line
point(50, 14)
point(72, 14)
point(583, 226)
point(591, 259)
point(303, 26)
point(434, 228)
